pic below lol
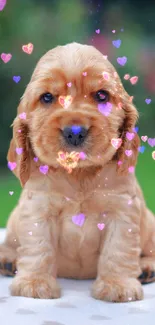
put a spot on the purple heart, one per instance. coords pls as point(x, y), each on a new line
point(78, 219)
point(147, 100)
point(16, 79)
point(19, 151)
point(122, 60)
point(117, 43)
point(151, 142)
point(135, 129)
point(12, 165)
point(76, 129)
point(35, 159)
point(141, 149)
point(44, 169)
point(105, 109)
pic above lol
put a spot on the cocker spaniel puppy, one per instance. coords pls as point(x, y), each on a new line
point(81, 213)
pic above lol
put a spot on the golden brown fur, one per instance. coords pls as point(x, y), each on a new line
point(40, 233)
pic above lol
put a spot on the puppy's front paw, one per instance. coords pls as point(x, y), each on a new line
point(36, 287)
point(117, 289)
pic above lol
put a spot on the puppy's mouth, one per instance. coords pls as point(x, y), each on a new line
point(74, 136)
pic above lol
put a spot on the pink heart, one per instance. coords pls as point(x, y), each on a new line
point(97, 31)
point(131, 169)
point(116, 143)
point(82, 155)
point(128, 153)
point(119, 163)
point(28, 48)
point(84, 74)
point(130, 135)
point(105, 75)
point(126, 76)
point(2, 4)
point(44, 169)
point(22, 116)
point(6, 57)
point(12, 165)
point(62, 155)
point(115, 74)
point(120, 105)
point(131, 98)
point(134, 80)
point(19, 151)
point(69, 84)
point(144, 138)
point(11, 192)
point(101, 226)
point(78, 219)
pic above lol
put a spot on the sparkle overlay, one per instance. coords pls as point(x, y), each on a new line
point(68, 160)
point(28, 48)
point(65, 101)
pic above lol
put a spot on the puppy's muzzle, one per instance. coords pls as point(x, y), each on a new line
point(74, 135)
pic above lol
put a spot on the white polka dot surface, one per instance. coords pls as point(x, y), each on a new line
point(75, 307)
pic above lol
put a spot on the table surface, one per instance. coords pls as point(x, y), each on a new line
point(75, 307)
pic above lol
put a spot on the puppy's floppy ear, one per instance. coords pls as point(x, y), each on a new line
point(19, 151)
point(128, 152)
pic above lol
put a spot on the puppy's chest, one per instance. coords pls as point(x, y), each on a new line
point(82, 218)
point(82, 225)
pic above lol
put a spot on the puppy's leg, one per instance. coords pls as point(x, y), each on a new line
point(36, 263)
point(147, 262)
point(118, 266)
point(8, 250)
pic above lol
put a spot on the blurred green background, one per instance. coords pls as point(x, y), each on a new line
point(48, 23)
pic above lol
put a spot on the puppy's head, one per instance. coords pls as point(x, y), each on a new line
point(75, 101)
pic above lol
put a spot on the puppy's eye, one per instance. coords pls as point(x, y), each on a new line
point(102, 96)
point(47, 98)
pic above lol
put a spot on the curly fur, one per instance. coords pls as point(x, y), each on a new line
point(41, 236)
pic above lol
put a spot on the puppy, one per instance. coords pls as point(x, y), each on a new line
point(81, 213)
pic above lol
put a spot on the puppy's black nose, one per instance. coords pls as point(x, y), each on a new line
point(75, 134)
